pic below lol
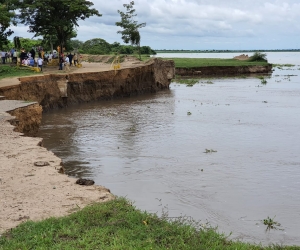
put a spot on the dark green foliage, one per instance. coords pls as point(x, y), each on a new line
point(6, 20)
point(27, 43)
point(57, 17)
point(258, 57)
point(96, 46)
point(75, 44)
point(147, 50)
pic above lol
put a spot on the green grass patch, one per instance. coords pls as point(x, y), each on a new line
point(188, 82)
point(205, 62)
point(118, 225)
point(13, 71)
point(283, 65)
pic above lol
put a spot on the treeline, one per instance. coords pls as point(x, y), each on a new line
point(224, 51)
point(96, 46)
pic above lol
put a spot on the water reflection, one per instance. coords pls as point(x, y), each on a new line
point(148, 149)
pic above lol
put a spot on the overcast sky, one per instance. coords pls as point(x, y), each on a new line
point(200, 24)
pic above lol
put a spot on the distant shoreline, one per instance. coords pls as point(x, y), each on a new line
point(223, 51)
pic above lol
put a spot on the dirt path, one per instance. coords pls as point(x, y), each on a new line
point(86, 67)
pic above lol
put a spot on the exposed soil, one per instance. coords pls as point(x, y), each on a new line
point(242, 57)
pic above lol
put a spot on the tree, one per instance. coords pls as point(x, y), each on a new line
point(130, 32)
point(96, 46)
point(57, 17)
point(6, 20)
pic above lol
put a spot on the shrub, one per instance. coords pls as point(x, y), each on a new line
point(258, 57)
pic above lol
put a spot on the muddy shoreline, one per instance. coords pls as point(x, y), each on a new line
point(33, 192)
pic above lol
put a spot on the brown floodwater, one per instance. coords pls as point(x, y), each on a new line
point(151, 150)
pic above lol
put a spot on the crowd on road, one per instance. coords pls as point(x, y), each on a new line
point(38, 57)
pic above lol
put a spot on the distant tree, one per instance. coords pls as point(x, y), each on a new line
point(57, 17)
point(6, 20)
point(28, 43)
point(130, 32)
point(75, 44)
point(96, 46)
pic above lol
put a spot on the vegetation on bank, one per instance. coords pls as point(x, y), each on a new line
point(12, 71)
point(119, 225)
point(216, 62)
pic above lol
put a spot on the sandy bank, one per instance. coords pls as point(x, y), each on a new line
point(34, 193)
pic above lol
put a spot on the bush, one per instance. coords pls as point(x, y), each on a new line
point(258, 57)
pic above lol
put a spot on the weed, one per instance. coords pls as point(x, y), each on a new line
point(263, 81)
point(188, 82)
point(271, 224)
point(210, 151)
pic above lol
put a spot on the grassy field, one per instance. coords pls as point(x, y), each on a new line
point(8, 71)
point(205, 62)
point(118, 225)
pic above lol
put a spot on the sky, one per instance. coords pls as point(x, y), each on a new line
point(199, 24)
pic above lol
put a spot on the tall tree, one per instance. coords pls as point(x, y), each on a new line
point(130, 32)
point(57, 17)
point(6, 20)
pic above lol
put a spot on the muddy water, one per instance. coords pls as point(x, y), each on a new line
point(150, 150)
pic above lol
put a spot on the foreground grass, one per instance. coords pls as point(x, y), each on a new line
point(117, 225)
point(12, 71)
point(205, 62)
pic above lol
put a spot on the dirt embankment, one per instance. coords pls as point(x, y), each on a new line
point(223, 70)
point(87, 84)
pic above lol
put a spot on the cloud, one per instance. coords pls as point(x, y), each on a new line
point(181, 23)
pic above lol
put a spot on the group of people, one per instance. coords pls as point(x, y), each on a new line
point(67, 61)
point(9, 56)
point(29, 58)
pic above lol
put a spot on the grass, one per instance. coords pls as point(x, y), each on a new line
point(118, 225)
point(283, 65)
point(188, 82)
point(13, 71)
point(205, 62)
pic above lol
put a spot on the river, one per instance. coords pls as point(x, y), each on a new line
point(152, 149)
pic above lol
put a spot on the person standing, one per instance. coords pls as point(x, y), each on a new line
point(61, 61)
point(32, 52)
point(15, 59)
point(50, 57)
point(3, 56)
point(75, 59)
point(67, 68)
point(40, 63)
point(70, 58)
point(23, 55)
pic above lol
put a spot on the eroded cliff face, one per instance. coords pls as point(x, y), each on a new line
point(57, 90)
point(223, 70)
point(27, 119)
